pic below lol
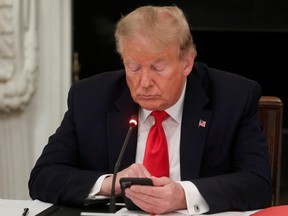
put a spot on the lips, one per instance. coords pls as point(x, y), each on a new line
point(146, 96)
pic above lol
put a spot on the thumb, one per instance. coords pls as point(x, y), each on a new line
point(160, 182)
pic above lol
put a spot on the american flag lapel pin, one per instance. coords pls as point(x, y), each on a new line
point(202, 123)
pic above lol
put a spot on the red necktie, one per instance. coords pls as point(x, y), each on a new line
point(156, 158)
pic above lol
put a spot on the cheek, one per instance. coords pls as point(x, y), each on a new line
point(173, 87)
point(174, 80)
point(132, 83)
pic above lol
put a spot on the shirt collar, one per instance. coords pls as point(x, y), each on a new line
point(174, 111)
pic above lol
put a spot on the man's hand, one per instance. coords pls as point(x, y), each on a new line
point(164, 196)
point(135, 170)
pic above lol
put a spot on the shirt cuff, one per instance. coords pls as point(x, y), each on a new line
point(196, 204)
point(96, 188)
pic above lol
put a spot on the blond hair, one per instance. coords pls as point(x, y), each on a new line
point(163, 25)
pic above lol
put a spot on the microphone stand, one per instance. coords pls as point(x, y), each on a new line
point(132, 123)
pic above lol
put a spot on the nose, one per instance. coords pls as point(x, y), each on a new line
point(146, 79)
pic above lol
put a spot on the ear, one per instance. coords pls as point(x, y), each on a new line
point(188, 63)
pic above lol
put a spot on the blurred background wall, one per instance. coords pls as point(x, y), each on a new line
point(35, 75)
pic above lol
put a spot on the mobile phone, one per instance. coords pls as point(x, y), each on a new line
point(126, 183)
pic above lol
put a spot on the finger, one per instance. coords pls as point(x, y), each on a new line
point(138, 196)
point(146, 173)
point(162, 181)
point(139, 170)
point(145, 202)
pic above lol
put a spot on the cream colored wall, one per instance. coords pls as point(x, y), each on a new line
point(24, 130)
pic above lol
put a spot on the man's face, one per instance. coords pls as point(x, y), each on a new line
point(155, 78)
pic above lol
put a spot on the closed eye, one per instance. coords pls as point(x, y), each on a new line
point(158, 67)
point(133, 67)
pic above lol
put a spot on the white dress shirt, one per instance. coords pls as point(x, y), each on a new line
point(172, 127)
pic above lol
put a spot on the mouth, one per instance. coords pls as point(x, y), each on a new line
point(146, 97)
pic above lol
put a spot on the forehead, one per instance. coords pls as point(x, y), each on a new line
point(142, 41)
point(143, 49)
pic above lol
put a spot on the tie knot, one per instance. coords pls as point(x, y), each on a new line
point(159, 116)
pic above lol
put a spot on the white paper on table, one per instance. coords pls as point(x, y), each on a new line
point(16, 207)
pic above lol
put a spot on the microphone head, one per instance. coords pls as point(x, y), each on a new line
point(133, 121)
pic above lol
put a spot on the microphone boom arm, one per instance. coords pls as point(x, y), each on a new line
point(112, 206)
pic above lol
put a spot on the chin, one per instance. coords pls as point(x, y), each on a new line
point(147, 106)
point(150, 106)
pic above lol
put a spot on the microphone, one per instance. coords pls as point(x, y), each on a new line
point(132, 124)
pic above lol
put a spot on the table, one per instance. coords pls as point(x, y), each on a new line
point(10, 207)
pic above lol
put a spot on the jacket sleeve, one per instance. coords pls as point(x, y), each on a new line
point(57, 176)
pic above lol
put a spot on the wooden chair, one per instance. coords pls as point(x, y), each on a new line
point(270, 115)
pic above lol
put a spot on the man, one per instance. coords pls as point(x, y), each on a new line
point(218, 155)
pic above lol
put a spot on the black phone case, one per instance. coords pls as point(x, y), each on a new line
point(127, 182)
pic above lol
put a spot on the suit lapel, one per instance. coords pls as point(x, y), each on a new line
point(117, 128)
point(194, 128)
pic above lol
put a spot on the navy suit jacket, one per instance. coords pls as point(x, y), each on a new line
point(227, 159)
